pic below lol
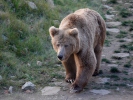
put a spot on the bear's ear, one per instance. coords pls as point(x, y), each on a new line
point(53, 31)
point(73, 32)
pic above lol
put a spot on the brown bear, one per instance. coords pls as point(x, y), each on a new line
point(78, 42)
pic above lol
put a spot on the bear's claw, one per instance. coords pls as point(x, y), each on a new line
point(70, 80)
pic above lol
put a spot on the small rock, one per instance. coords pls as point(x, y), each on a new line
point(50, 90)
point(115, 12)
point(29, 64)
point(118, 89)
point(0, 77)
point(109, 17)
point(127, 40)
point(51, 3)
point(32, 5)
point(28, 86)
point(108, 7)
point(113, 30)
point(112, 65)
point(128, 4)
point(102, 80)
point(104, 0)
point(103, 55)
point(58, 83)
point(120, 55)
point(120, 1)
point(114, 62)
point(129, 85)
point(53, 80)
point(4, 38)
point(10, 89)
point(100, 92)
point(113, 24)
point(39, 63)
point(130, 72)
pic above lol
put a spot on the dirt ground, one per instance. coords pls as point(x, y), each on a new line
point(119, 83)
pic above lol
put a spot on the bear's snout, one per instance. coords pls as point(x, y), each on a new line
point(60, 57)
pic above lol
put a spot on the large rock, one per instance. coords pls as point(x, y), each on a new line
point(50, 90)
point(109, 17)
point(113, 24)
point(127, 40)
point(28, 86)
point(108, 7)
point(39, 63)
point(51, 3)
point(112, 30)
point(100, 92)
point(102, 80)
point(112, 65)
point(120, 55)
point(32, 5)
point(0, 77)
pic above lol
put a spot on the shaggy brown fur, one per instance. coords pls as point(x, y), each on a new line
point(78, 42)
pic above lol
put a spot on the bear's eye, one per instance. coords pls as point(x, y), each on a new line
point(66, 46)
point(58, 45)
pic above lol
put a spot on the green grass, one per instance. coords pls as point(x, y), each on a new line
point(128, 46)
point(127, 65)
point(24, 39)
point(113, 1)
point(107, 43)
point(106, 60)
point(117, 51)
point(122, 34)
point(114, 70)
point(125, 13)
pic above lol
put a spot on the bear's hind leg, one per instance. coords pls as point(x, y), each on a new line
point(98, 53)
point(70, 69)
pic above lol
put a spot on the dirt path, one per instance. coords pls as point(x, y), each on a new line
point(116, 82)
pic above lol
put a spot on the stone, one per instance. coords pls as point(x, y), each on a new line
point(104, 0)
point(51, 3)
point(10, 89)
point(120, 1)
point(0, 77)
point(109, 17)
point(102, 80)
point(112, 65)
point(120, 55)
point(32, 5)
point(115, 12)
point(112, 30)
point(39, 63)
point(4, 38)
point(53, 80)
point(29, 64)
point(100, 92)
point(129, 85)
point(108, 7)
point(28, 86)
point(113, 24)
point(50, 90)
point(127, 40)
point(58, 83)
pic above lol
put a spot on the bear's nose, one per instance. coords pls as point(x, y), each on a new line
point(60, 57)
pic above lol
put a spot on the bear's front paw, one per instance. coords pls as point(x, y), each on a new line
point(69, 80)
point(75, 89)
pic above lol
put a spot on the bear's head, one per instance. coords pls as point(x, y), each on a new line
point(65, 42)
